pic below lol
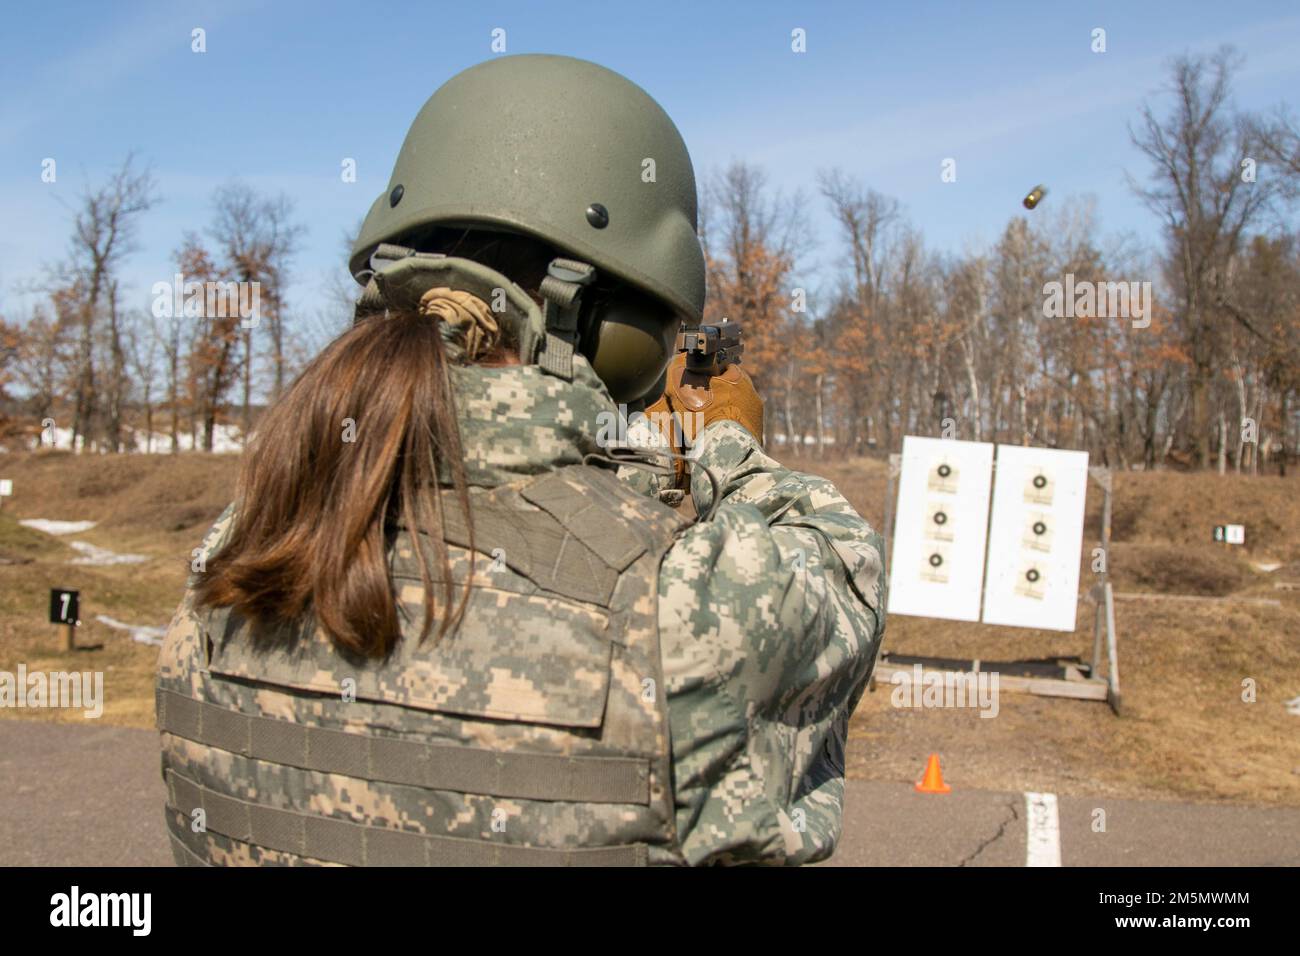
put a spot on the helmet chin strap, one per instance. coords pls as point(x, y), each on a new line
point(562, 291)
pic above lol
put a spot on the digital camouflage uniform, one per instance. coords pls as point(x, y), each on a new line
point(712, 731)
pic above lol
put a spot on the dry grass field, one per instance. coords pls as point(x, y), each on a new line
point(1185, 732)
point(153, 505)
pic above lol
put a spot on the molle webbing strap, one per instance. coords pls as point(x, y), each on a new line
point(526, 776)
point(536, 545)
point(336, 840)
point(181, 852)
point(562, 290)
point(581, 500)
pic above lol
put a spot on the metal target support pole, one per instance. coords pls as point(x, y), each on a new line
point(1104, 596)
point(1112, 651)
point(1098, 597)
point(887, 532)
point(895, 468)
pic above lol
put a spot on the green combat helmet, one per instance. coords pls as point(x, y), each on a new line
point(580, 157)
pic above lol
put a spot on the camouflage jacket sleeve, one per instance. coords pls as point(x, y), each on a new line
point(770, 615)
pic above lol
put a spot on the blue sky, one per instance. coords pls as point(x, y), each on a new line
point(885, 91)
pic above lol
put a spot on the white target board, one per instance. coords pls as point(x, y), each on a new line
point(940, 527)
point(1037, 531)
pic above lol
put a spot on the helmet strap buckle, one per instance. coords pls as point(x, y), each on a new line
point(562, 291)
point(372, 296)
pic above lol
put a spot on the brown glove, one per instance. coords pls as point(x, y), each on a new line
point(696, 400)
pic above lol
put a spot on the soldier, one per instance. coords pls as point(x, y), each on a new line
point(436, 626)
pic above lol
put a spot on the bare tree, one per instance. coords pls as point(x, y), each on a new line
point(1279, 145)
point(44, 357)
point(10, 341)
point(214, 344)
point(1198, 191)
point(753, 240)
point(257, 239)
point(117, 372)
point(103, 233)
point(171, 335)
point(868, 221)
point(316, 331)
point(145, 344)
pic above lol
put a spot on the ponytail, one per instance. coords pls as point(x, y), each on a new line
point(356, 444)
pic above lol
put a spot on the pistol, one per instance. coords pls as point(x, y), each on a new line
point(711, 348)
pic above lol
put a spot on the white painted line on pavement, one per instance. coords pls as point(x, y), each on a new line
point(1043, 847)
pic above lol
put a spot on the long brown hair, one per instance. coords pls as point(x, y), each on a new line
point(358, 443)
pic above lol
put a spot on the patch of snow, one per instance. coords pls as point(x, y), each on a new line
point(57, 527)
point(93, 554)
point(1293, 706)
point(140, 633)
point(805, 439)
point(1267, 565)
point(226, 439)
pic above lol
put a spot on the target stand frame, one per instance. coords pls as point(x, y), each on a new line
point(1059, 677)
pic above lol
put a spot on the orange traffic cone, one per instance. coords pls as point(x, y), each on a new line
point(932, 782)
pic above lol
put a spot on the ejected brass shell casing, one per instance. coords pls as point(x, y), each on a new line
point(1035, 196)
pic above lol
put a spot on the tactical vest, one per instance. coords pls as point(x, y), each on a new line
point(534, 733)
